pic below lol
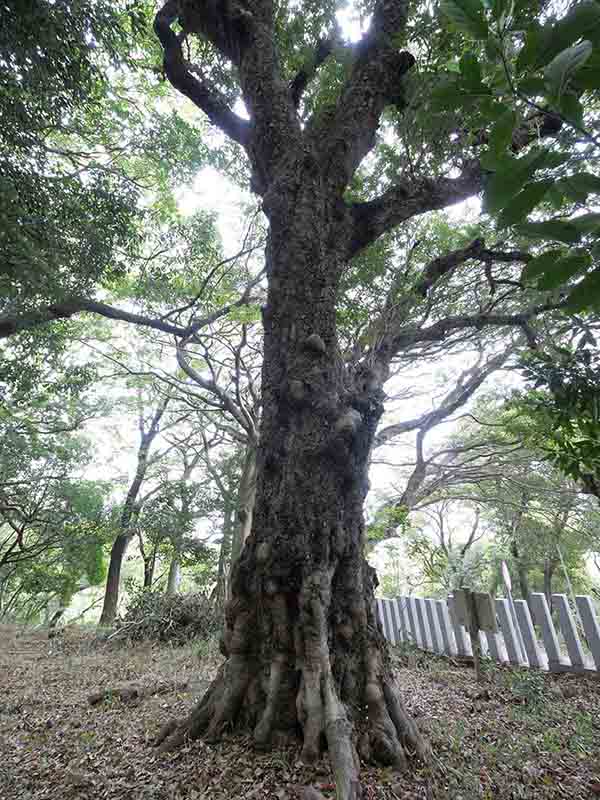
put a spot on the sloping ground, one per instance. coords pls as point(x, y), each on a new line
point(521, 735)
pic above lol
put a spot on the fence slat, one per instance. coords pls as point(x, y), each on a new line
point(380, 617)
point(590, 626)
point(423, 623)
point(387, 611)
point(483, 644)
point(411, 608)
point(510, 634)
point(534, 653)
point(434, 626)
point(463, 643)
point(543, 618)
point(396, 620)
point(569, 631)
point(448, 639)
point(497, 647)
point(400, 611)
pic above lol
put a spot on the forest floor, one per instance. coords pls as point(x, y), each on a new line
point(521, 734)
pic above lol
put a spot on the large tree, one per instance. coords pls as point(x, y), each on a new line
point(319, 660)
point(302, 581)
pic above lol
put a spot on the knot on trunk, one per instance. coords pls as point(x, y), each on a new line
point(349, 422)
point(315, 344)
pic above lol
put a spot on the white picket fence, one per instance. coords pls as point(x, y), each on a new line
point(431, 625)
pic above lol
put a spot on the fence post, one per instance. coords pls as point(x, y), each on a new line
point(534, 654)
point(569, 631)
point(463, 645)
point(591, 628)
point(400, 610)
point(510, 634)
point(414, 622)
point(543, 617)
point(387, 611)
point(423, 623)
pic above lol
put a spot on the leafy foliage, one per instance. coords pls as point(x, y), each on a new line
point(563, 410)
point(520, 75)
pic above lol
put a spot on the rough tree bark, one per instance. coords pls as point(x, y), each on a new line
point(304, 648)
point(119, 548)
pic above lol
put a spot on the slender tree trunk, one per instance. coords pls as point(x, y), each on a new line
point(150, 567)
point(119, 548)
point(174, 574)
point(304, 645)
point(522, 571)
point(57, 616)
point(245, 503)
point(549, 568)
point(221, 592)
point(113, 579)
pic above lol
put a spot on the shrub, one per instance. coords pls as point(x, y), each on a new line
point(177, 618)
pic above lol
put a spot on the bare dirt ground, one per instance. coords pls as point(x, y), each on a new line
point(519, 735)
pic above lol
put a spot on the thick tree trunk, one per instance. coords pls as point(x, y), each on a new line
point(304, 647)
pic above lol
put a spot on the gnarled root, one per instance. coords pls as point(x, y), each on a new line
point(304, 686)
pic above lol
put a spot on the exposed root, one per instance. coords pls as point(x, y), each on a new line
point(362, 676)
point(342, 752)
point(405, 725)
point(384, 741)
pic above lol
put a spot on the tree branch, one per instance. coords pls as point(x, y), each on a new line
point(393, 342)
point(344, 135)
point(180, 76)
point(309, 69)
point(407, 199)
point(466, 386)
point(10, 325)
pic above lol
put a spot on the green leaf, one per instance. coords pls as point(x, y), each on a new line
point(542, 44)
point(563, 66)
point(586, 294)
point(524, 202)
point(564, 269)
point(588, 77)
point(556, 230)
point(540, 264)
point(532, 86)
point(501, 134)
point(578, 186)
point(510, 179)
point(448, 97)
point(467, 16)
point(571, 108)
point(587, 223)
point(470, 71)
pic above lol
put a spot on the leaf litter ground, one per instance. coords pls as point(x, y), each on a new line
point(518, 735)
